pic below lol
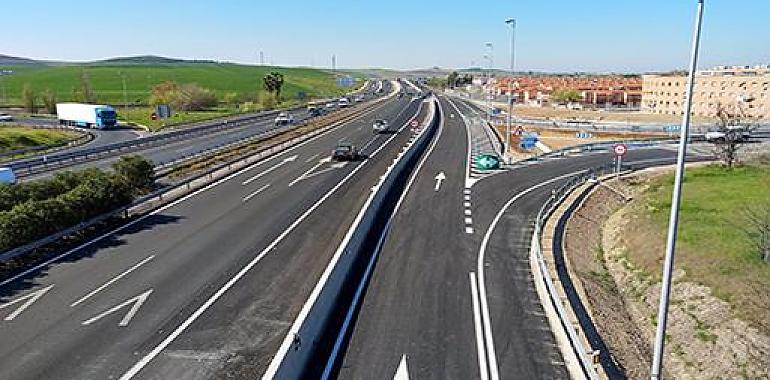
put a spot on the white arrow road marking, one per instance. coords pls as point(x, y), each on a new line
point(440, 177)
point(402, 373)
point(276, 166)
point(110, 282)
point(31, 298)
point(246, 198)
point(316, 166)
point(137, 301)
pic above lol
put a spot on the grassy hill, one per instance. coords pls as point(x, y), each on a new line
point(106, 80)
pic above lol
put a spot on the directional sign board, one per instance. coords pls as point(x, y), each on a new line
point(619, 150)
point(529, 140)
point(345, 81)
point(487, 162)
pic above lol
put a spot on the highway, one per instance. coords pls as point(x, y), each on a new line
point(452, 295)
point(173, 150)
point(205, 287)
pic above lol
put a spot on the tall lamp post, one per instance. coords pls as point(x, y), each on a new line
point(488, 56)
point(665, 290)
point(125, 94)
point(507, 145)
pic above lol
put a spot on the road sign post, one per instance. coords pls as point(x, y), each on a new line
point(619, 150)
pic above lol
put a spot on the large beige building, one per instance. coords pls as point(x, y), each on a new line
point(743, 86)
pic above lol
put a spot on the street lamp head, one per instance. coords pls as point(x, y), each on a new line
point(488, 44)
point(510, 21)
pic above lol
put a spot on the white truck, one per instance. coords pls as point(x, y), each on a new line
point(86, 115)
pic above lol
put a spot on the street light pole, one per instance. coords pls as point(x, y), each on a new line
point(507, 145)
point(488, 56)
point(676, 198)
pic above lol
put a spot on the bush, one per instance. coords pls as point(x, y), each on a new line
point(33, 210)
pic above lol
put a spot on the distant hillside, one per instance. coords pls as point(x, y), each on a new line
point(147, 60)
point(18, 61)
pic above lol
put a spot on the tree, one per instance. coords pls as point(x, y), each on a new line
point(758, 229)
point(29, 97)
point(451, 79)
point(86, 90)
point(136, 172)
point(730, 133)
point(566, 95)
point(185, 97)
point(273, 83)
point(49, 101)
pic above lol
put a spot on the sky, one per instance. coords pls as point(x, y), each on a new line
point(556, 35)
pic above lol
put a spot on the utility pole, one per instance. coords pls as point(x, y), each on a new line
point(507, 145)
point(665, 290)
point(261, 58)
point(125, 94)
point(334, 63)
point(488, 56)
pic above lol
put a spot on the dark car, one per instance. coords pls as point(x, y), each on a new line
point(345, 152)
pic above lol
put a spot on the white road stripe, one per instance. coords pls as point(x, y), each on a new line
point(468, 221)
point(110, 282)
point(276, 166)
point(468, 230)
point(138, 366)
point(402, 372)
point(261, 189)
point(493, 370)
point(31, 298)
point(138, 301)
point(480, 352)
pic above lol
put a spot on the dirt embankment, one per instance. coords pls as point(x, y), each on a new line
point(706, 339)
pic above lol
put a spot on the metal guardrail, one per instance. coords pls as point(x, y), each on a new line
point(84, 138)
point(557, 197)
point(184, 186)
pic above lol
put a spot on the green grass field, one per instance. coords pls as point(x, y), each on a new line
point(14, 137)
point(221, 78)
point(713, 247)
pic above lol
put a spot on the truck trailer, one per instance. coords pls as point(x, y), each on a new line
point(86, 115)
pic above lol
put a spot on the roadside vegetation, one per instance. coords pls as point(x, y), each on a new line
point(195, 91)
point(723, 234)
point(18, 137)
point(35, 209)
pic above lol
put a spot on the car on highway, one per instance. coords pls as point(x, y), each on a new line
point(284, 118)
point(343, 102)
point(7, 176)
point(359, 99)
point(5, 117)
point(315, 111)
point(740, 134)
point(380, 126)
point(330, 106)
point(345, 152)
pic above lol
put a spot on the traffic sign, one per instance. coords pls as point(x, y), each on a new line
point(487, 162)
point(619, 150)
point(529, 140)
point(518, 131)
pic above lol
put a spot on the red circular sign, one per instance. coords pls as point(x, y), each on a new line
point(415, 123)
point(619, 149)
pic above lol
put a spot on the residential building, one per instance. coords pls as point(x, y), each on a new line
point(744, 87)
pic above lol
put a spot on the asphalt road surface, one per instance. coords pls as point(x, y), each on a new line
point(452, 295)
point(206, 287)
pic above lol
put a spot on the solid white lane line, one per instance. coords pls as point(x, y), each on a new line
point(276, 166)
point(138, 366)
point(31, 298)
point(468, 180)
point(261, 189)
point(402, 372)
point(480, 352)
point(493, 370)
point(176, 202)
point(370, 266)
point(110, 282)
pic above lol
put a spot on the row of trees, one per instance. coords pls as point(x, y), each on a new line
point(47, 99)
point(33, 210)
point(454, 79)
point(184, 97)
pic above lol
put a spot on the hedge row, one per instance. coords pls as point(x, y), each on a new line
point(36, 209)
